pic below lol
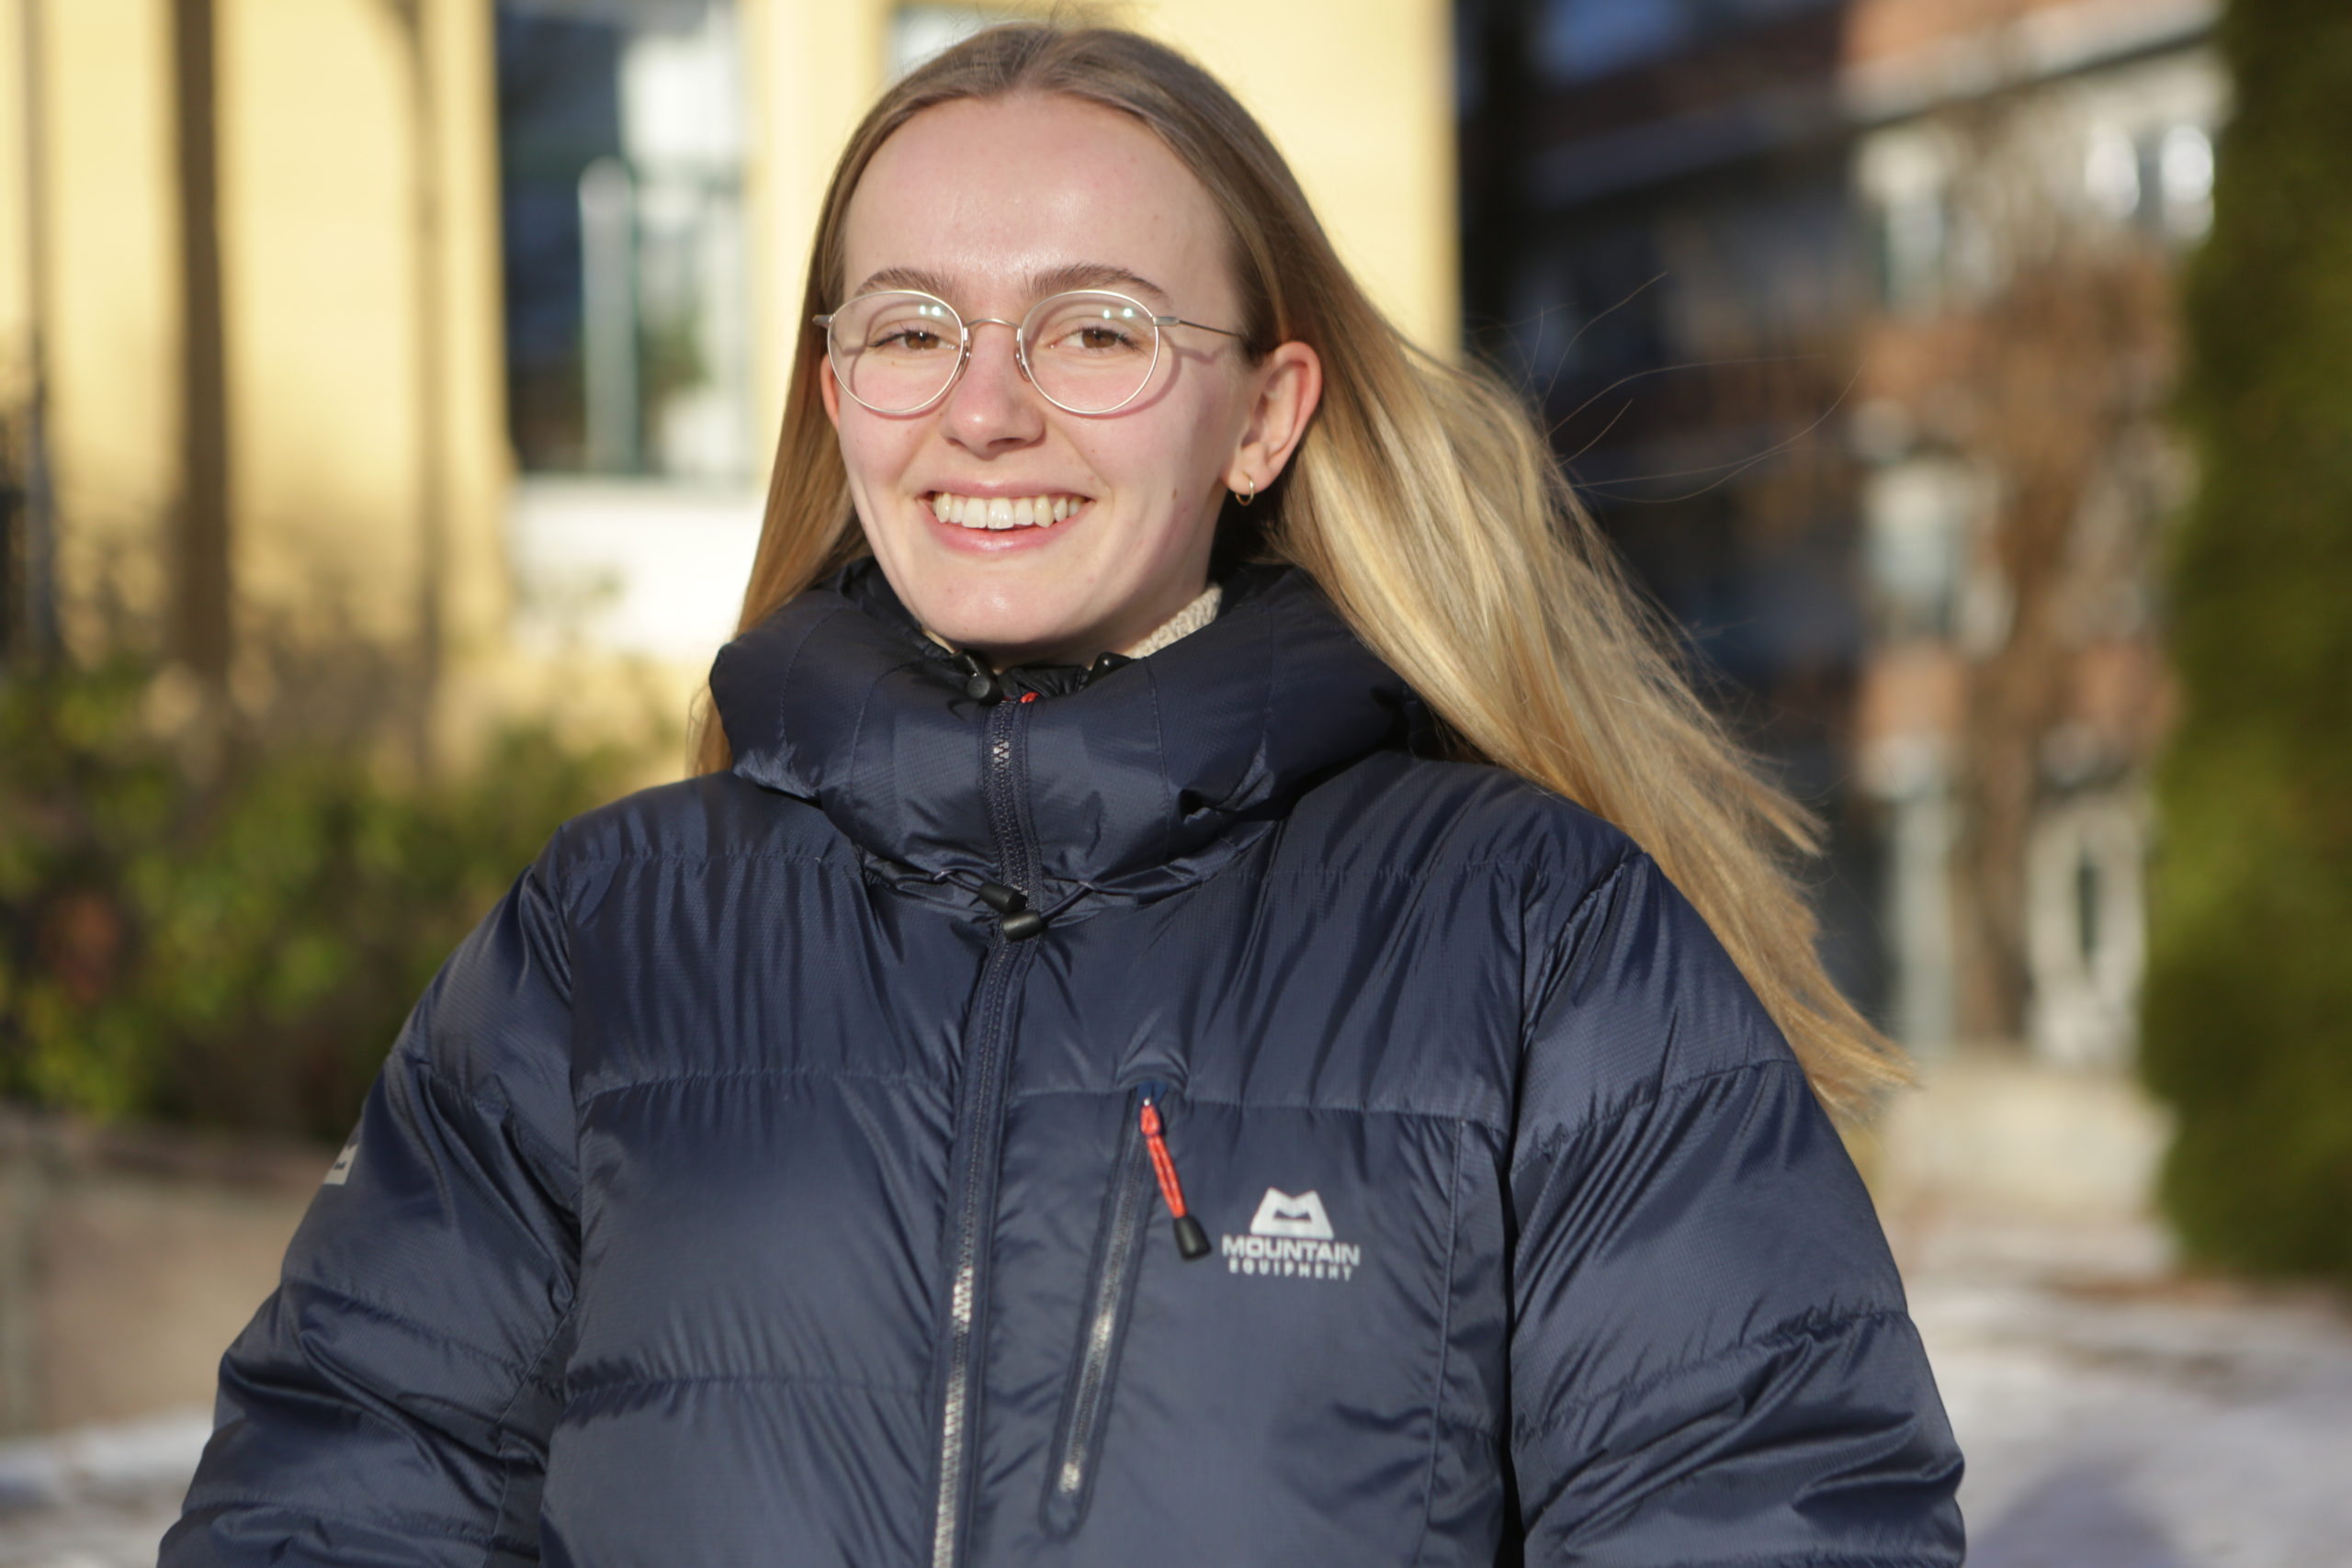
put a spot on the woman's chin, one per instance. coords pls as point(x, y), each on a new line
point(1005, 643)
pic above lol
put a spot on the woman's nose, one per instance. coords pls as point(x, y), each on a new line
point(992, 405)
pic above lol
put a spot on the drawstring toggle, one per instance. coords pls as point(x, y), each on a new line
point(1015, 918)
point(1192, 1241)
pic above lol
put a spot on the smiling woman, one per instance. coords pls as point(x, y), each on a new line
point(1187, 755)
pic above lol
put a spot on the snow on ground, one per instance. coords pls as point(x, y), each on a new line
point(2118, 1414)
point(2114, 1414)
point(96, 1498)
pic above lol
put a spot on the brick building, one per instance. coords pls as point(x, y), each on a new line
point(1855, 319)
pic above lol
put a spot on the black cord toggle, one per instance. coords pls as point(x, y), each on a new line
point(980, 683)
point(1016, 920)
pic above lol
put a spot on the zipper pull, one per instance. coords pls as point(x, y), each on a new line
point(1192, 1241)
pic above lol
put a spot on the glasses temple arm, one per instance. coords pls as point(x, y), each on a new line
point(1180, 322)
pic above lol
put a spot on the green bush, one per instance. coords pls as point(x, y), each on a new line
point(240, 953)
point(2248, 1011)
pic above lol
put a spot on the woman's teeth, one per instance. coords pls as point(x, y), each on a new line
point(1003, 512)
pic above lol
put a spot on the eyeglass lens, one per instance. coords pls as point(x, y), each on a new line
point(1089, 352)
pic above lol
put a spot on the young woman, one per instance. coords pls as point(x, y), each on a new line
point(1215, 1002)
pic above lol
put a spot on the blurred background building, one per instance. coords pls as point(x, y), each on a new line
point(1856, 319)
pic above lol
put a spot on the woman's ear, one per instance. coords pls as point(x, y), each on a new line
point(1289, 384)
point(830, 390)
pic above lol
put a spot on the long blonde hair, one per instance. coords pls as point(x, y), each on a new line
point(1427, 504)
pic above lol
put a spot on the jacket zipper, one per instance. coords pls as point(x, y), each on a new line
point(1106, 1303)
point(1143, 1155)
point(979, 1135)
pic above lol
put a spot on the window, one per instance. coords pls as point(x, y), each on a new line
point(1907, 178)
point(2184, 162)
point(1917, 515)
point(1580, 39)
point(621, 154)
point(2086, 945)
point(2111, 173)
point(1577, 40)
point(2160, 180)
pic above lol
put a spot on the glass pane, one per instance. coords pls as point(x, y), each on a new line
point(621, 154)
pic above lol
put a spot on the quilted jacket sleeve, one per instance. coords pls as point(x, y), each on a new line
point(1712, 1363)
point(390, 1404)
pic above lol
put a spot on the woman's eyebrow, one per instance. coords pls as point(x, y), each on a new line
point(1094, 275)
point(912, 277)
point(1076, 274)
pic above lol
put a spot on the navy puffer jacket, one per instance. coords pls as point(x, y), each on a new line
point(783, 1173)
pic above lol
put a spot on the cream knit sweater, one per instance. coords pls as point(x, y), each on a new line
point(1183, 623)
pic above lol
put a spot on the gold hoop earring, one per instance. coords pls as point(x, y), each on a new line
point(1241, 500)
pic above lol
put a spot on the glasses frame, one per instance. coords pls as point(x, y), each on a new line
point(1160, 323)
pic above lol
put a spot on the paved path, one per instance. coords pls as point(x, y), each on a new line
point(2114, 1415)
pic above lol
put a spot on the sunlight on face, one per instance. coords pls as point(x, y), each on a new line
point(991, 205)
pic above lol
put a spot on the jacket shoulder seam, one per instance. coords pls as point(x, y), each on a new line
point(1812, 1325)
point(1550, 954)
point(1549, 1143)
point(499, 1110)
point(1572, 929)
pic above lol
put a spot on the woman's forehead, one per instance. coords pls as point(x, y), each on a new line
point(1029, 195)
point(1050, 280)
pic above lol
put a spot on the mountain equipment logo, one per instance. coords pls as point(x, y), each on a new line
point(340, 1171)
point(1291, 1237)
point(1279, 1214)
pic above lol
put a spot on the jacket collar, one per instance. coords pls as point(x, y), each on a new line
point(1136, 781)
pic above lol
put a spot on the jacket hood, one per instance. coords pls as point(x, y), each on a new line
point(1138, 780)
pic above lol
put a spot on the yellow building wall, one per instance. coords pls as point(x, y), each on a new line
point(15, 285)
point(357, 490)
point(1359, 95)
point(110, 248)
point(358, 213)
point(317, 277)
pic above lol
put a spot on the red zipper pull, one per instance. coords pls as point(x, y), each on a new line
point(1192, 1241)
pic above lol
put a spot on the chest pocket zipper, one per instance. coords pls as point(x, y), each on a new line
point(1078, 1442)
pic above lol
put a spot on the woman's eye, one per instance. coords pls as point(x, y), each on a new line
point(1095, 340)
point(907, 340)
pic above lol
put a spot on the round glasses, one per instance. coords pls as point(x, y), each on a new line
point(1088, 351)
